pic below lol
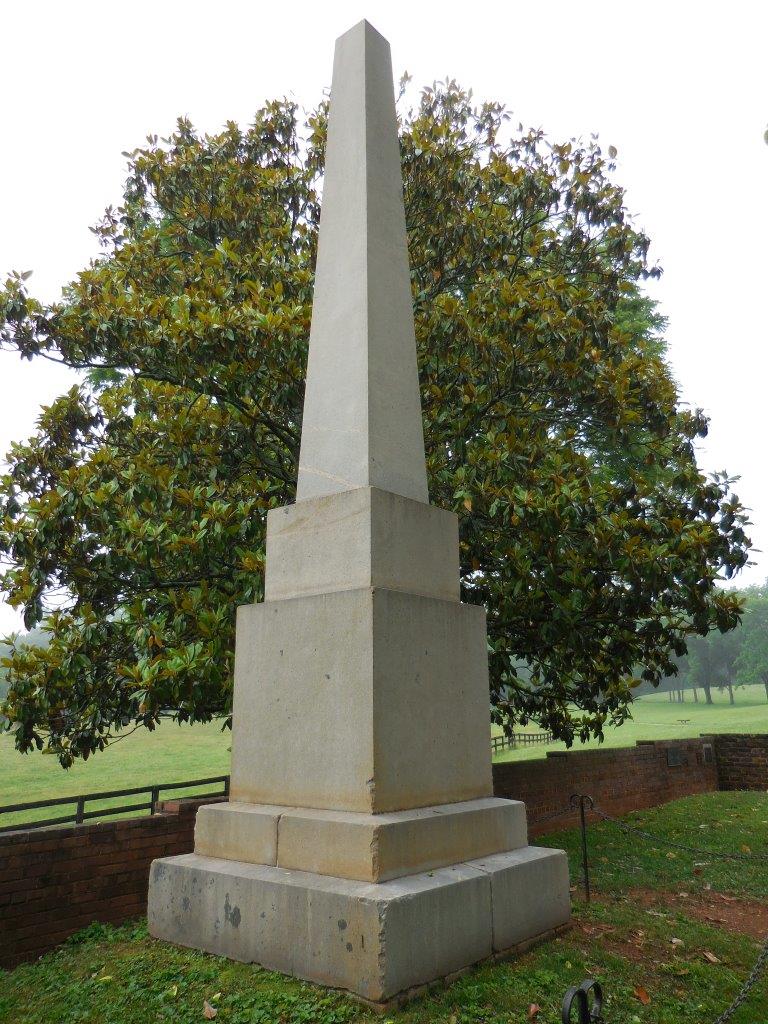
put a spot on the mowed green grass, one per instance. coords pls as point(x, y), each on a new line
point(654, 717)
point(671, 936)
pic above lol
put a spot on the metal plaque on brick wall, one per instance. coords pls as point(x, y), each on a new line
point(676, 757)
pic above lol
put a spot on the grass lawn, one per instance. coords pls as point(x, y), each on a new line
point(672, 937)
point(655, 718)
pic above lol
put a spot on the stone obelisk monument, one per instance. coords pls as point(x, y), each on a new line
point(362, 846)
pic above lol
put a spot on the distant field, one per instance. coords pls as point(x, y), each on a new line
point(655, 718)
point(177, 753)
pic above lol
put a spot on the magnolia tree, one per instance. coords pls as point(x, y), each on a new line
point(132, 523)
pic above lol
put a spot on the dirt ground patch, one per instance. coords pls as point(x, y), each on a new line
point(631, 946)
point(742, 916)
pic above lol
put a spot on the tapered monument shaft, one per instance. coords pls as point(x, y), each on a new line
point(361, 846)
point(362, 413)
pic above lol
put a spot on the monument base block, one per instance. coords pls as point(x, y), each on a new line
point(377, 940)
point(366, 847)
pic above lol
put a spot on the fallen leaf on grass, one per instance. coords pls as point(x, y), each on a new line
point(208, 1011)
point(642, 995)
point(105, 977)
point(711, 958)
point(533, 1011)
point(677, 942)
point(600, 929)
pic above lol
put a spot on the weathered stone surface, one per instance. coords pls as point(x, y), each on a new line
point(430, 702)
point(379, 847)
point(361, 700)
point(362, 411)
point(376, 940)
point(238, 831)
point(361, 538)
point(367, 847)
point(530, 893)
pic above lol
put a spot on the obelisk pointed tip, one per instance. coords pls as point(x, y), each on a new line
point(363, 28)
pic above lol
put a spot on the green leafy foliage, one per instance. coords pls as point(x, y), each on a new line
point(133, 521)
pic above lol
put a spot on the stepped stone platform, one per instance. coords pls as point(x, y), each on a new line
point(378, 940)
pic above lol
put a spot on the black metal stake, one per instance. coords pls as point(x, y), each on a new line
point(583, 799)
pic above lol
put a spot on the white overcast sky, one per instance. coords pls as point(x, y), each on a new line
point(681, 89)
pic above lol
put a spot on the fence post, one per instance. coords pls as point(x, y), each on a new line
point(80, 812)
point(154, 798)
point(226, 785)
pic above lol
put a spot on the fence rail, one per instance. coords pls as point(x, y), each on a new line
point(519, 739)
point(79, 813)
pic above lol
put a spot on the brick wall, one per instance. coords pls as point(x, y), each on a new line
point(619, 780)
point(54, 882)
point(742, 760)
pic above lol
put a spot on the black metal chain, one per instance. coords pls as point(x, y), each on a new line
point(678, 846)
point(578, 998)
point(551, 817)
point(575, 997)
point(752, 980)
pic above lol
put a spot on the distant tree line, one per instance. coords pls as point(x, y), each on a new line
point(35, 637)
point(723, 661)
